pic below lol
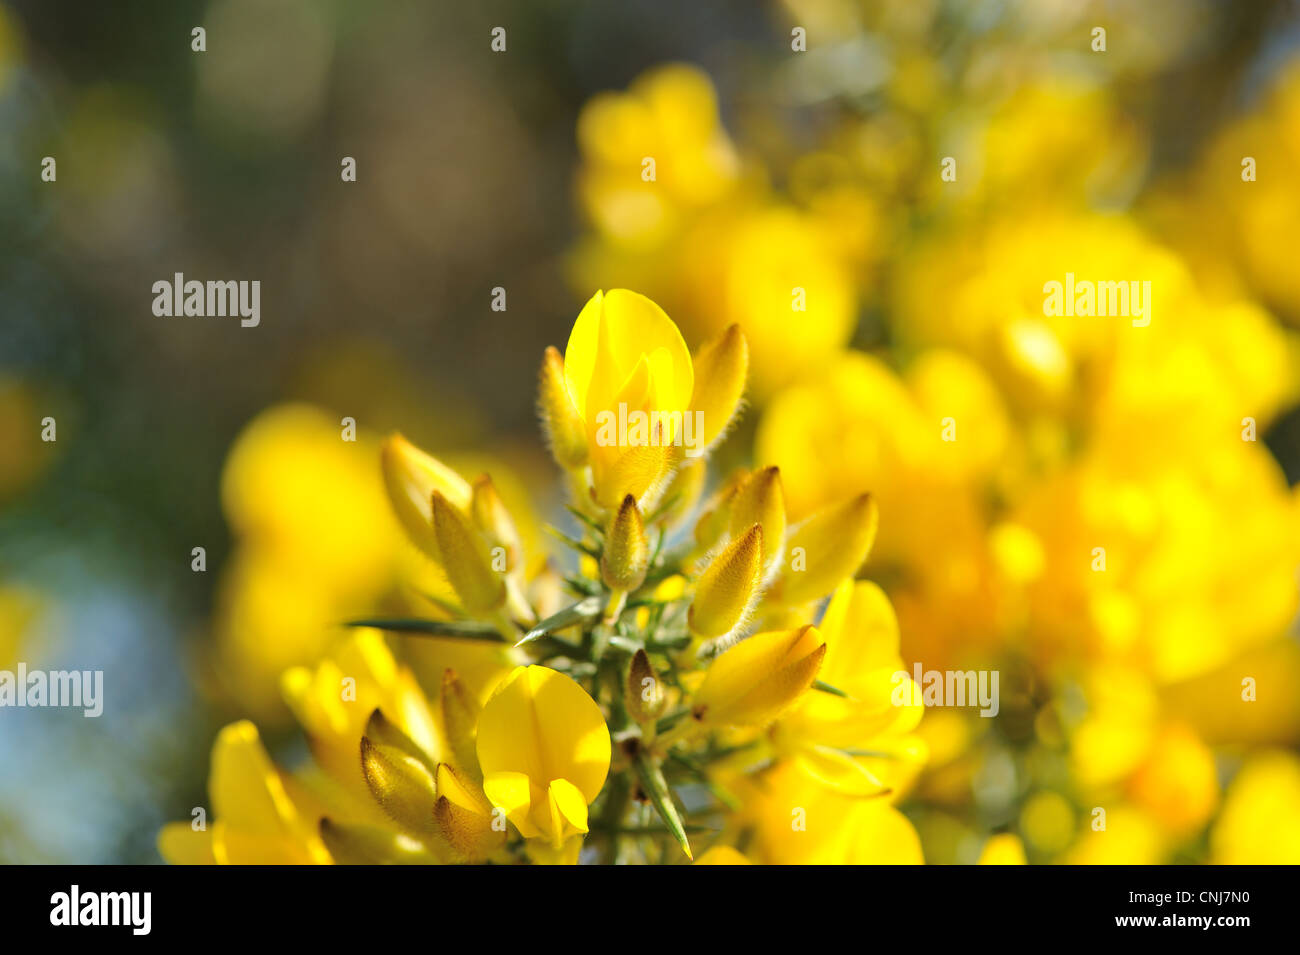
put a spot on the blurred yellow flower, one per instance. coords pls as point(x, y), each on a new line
point(255, 822)
point(1260, 822)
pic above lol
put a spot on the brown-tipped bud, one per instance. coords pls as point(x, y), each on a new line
point(398, 774)
point(466, 560)
point(465, 818)
point(761, 500)
point(720, 371)
point(643, 693)
point(626, 557)
point(729, 586)
point(561, 420)
point(491, 517)
point(459, 722)
point(350, 844)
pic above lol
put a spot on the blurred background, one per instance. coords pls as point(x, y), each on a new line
point(777, 167)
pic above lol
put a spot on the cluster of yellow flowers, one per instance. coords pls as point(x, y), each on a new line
point(680, 695)
point(1085, 505)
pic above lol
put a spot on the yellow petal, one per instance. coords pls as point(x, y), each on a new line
point(826, 548)
point(758, 678)
point(861, 633)
point(721, 368)
point(411, 477)
point(608, 341)
point(839, 771)
point(512, 792)
point(568, 809)
point(465, 559)
point(543, 725)
point(728, 587)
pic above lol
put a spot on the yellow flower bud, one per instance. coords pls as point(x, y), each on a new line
point(352, 844)
point(561, 420)
point(716, 517)
point(399, 775)
point(545, 750)
point(728, 587)
point(465, 559)
point(464, 817)
point(492, 518)
point(828, 547)
point(761, 500)
point(411, 477)
point(721, 367)
point(683, 491)
point(626, 556)
point(756, 680)
point(459, 717)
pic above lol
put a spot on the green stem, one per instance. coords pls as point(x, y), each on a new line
point(611, 818)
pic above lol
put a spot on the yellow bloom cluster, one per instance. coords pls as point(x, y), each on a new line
point(682, 677)
point(1085, 503)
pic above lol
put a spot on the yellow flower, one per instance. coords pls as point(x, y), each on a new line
point(334, 701)
point(797, 821)
point(1260, 822)
point(545, 750)
point(670, 115)
point(631, 378)
point(254, 821)
point(315, 542)
point(752, 683)
point(857, 744)
point(1178, 782)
